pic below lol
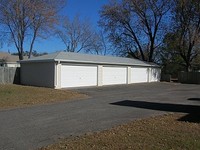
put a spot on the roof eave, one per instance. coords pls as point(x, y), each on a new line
point(86, 62)
point(103, 63)
point(37, 61)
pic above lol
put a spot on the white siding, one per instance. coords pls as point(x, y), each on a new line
point(114, 75)
point(155, 74)
point(10, 64)
point(77, 76)
point(139, 75)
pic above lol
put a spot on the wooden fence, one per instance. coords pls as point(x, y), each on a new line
point(9, 75)
point(189, 77)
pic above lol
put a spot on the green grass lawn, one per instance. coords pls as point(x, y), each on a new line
point(20, 96)
point(156, 133)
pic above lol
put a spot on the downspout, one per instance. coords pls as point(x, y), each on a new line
point(57, 75)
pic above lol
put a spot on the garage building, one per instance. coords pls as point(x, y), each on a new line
point(65, 70)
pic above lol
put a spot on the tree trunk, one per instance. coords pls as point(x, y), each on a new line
point(32, 42)
point(188, 67)
point(21, 57)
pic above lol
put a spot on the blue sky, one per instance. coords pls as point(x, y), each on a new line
point(84, 8)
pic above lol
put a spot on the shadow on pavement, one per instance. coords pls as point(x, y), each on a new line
point(192, 110)
point(194, 99)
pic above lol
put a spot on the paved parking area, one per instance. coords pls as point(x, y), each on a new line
point(33, 127)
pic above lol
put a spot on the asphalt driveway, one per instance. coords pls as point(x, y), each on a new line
point(33, 127)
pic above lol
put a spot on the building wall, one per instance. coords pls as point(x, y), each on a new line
point(9, 64)
point(48, 74)
point(155, 74)
point(12, 64)
point(38, 74)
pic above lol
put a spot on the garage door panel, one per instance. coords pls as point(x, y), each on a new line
point(139, 75)
point(114, 75)
point(77, 76)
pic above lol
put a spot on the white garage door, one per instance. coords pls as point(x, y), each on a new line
point(114, 75)
point(139, 75)
point(77, 76)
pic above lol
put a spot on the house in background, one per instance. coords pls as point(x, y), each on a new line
point(8, 60)
point(65, 70)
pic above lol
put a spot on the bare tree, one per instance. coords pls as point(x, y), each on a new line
point(101, 45)
point(136, 26)
point(26, 20)
point(78, 35)
point(185, 39)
